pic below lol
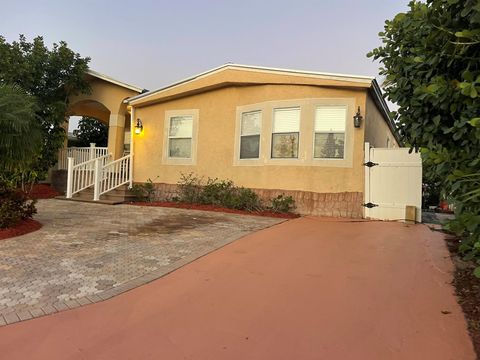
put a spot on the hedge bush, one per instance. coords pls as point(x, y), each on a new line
point(14, 205)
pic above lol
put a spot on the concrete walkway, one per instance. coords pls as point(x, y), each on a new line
point(308, 288)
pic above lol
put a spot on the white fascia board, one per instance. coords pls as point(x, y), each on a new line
point(294, 72)
point(114, 81)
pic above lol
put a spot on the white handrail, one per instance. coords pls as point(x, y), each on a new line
point(80, 155)
point(113, 175)
point(83, 175)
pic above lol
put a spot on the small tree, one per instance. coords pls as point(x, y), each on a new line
point(431, 60)
point(91, 130)
point(51, 76)
point(20, 142)
point(20, 135)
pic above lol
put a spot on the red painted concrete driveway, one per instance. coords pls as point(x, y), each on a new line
point(306, 289)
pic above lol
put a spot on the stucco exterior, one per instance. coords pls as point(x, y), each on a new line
point(214, 104)
point(215, 145)
point(377, 131)
point(106, 102)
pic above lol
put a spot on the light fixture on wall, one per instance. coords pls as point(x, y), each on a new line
point(357, 118)
point(139, 127)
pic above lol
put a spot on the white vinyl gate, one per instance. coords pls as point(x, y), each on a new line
point(393, 180)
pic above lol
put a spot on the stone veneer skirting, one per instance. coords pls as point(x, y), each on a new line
point(343, 204)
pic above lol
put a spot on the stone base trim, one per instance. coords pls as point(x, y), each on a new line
point(343, 204)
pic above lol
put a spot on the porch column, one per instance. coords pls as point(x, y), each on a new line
point(116, 130)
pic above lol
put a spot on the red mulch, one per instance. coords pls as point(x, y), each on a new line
point(43, 191)
point(214, 208)
point(23, 227)
point(467, 287)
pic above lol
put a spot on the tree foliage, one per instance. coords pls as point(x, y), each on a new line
point(91, 130)
point(49, 75)
point(20, 135)
point(431, 59)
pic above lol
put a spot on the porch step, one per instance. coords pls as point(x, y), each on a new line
point(113, 197)
point(81, 199)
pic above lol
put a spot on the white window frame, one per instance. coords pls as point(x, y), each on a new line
point(169, 114)
point(272, 133)
point(306, 134)
point(259, 135)
point(329, 132)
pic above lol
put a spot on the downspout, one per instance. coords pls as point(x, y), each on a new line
point(132, 130)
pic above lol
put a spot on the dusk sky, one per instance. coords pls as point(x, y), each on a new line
point(153, 43)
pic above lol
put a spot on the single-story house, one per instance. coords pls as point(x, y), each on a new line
point(301, 133)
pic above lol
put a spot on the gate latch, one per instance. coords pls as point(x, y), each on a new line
point(370, 205)
point(370, 164)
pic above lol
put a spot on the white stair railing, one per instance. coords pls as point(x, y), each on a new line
point(79, 155)
point(83, 175)
point(113, 175)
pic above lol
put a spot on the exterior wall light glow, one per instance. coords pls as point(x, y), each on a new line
point(357, 119)
point(139, 127)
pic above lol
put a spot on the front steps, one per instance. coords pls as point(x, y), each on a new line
point(116, 196)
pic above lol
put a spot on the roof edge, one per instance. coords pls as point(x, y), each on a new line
point(376, 91)
point(114, 81)
point(324, 75)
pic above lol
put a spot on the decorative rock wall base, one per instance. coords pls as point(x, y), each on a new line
point(344, 204)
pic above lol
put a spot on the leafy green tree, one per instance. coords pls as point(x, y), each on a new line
point(431, 59)
point(91, 130)
point(20, 134)
point(51, 76)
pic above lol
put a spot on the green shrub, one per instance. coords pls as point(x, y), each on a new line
point(14, 205)
point(217, 192)
point(189, 188)
point(246, 199)
point(144, 192)
point(282, 204)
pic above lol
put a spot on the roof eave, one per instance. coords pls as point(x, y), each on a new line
point(332, 76)
point(114, 81)
point(383, 107)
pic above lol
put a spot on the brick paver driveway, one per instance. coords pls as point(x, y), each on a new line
point(90, 252)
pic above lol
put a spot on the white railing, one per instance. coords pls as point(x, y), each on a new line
point(114, 174)
point(82, 176)
point(101, 173)
point(79, 155)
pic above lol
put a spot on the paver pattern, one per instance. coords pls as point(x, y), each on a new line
point(90, 252)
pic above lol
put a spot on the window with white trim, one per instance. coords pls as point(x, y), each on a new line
point(180, 137)
point(250, 128)
point(329, 142)
point(285, 133)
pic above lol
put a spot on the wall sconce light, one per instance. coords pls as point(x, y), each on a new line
point(139, 127)
point(357, 118)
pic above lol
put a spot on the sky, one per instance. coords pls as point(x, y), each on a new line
point(151, 44)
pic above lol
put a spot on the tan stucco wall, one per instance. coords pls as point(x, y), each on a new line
point(111, 96)
point(216, 141)
point(227, 77)
point(376, 129)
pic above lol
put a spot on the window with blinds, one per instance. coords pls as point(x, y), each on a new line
point(180, 137)
point(251, 126)
point(330, 132)
point(285, 133)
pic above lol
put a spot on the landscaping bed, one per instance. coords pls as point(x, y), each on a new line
point(43, 191)
point(215, 208)
point(25, 226)
point(467, 288)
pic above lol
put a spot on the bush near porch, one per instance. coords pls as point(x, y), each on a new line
point(192, 189)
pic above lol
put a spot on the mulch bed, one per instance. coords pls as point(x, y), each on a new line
point(213, 208)
point(43, 191)
point(467, 288)
point(23, 227)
